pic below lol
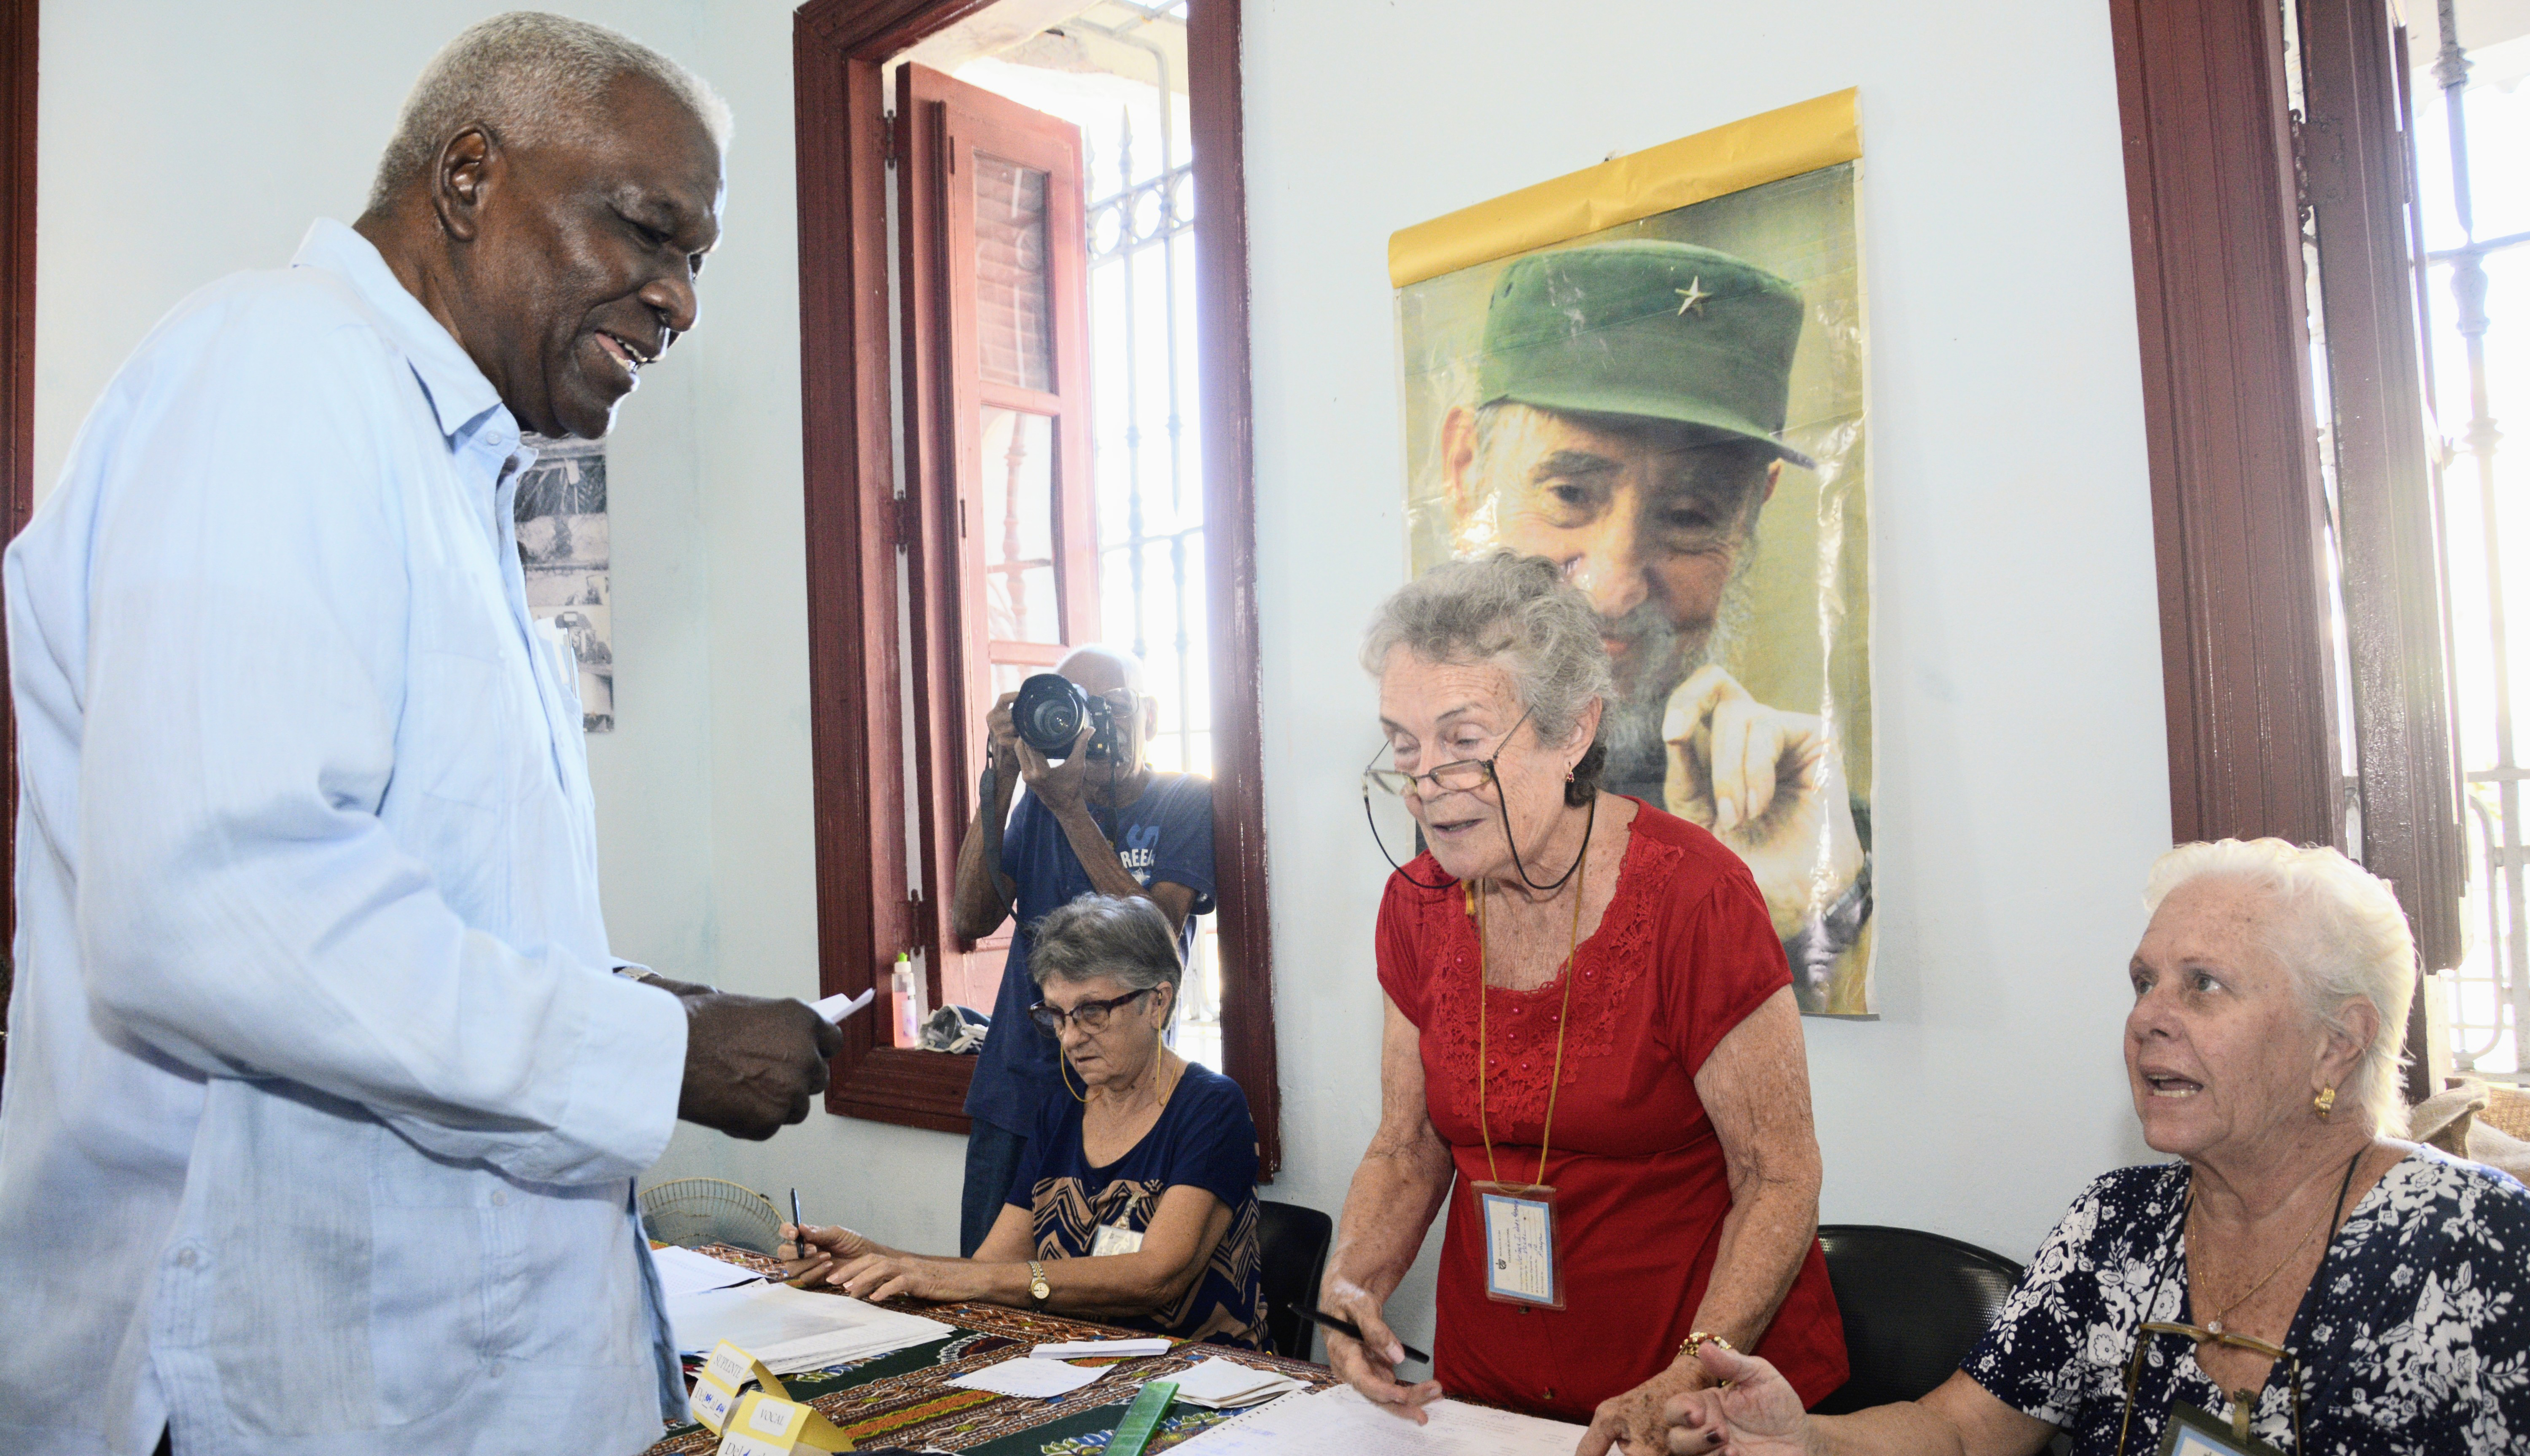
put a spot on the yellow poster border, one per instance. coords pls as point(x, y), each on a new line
point(1750, 152)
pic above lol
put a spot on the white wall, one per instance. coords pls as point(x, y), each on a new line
point(2021, 785)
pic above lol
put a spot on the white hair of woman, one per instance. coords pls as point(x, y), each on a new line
point(2337, 929)
point(1515, 610)
point(527, 76)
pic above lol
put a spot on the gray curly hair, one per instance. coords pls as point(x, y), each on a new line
point(525, 76)
point(1518, 609)
point(1097, 935)
point(2339, 931)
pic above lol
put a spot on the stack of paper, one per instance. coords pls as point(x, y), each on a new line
point(1038, 1379)
point(685, 1271)
point(1093, 1349)
point(1223, 1384)
point(792, 1329)
point(1340, 1420)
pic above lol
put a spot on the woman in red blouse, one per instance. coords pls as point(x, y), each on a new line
point(1592, 1052)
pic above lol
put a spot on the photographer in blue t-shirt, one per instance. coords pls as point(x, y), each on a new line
point(1098, 818)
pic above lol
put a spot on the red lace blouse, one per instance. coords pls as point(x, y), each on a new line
point(1685, 952)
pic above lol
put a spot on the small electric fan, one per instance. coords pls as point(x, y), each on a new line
point(692, 1212)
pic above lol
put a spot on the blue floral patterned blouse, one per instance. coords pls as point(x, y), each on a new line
point(2414, 1337)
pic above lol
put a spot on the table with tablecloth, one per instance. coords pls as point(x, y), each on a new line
point(904, 1398)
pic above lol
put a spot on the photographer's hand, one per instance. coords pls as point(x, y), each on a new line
point(1065, 786)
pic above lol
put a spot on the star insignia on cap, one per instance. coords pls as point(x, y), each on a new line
point(1693, 295)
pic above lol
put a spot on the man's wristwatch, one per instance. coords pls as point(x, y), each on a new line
point(1038, 1289)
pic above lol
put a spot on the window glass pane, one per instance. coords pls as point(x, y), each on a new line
point(1012, 315)
point(1018, 528)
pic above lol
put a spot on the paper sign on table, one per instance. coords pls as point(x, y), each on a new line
point(719, 1384)
point(769, 1426)
point(1034, 1379)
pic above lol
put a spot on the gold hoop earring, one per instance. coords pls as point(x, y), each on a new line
point(2325, 1101)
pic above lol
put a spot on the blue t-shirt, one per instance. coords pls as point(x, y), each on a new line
point(1204, 1139)
point(1166, 835)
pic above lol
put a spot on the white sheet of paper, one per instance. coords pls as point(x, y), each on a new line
point(839, 1006)
point(1225, 1383)
point(1087, 1349)
point(1340, 1420)
point(1029, 1376)
point(793, 1329)
point(685, 1271)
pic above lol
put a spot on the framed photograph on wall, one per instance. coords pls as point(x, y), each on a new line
point(1652, 373)
point(563, 548)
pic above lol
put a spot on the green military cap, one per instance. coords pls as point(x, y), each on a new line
point(1645, 328)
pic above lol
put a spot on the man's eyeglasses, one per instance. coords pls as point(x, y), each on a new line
point(1089, 1016)
point(2244, 1402)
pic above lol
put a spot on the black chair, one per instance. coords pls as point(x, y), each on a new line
point(1292, 1255)
point(1914, 1304)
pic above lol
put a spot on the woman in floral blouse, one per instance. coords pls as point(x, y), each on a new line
point(2299, 1269)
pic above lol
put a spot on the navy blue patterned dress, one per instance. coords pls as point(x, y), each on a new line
point(1203, 1139)
point(2414, 1337)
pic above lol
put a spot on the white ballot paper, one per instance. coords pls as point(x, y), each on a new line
point(1224, 1384)
point(1091, 1349)
point(839, 1006)
point(685, 1271)
point(792, 1329)
point(1027, 1375)
point(1340, 1420)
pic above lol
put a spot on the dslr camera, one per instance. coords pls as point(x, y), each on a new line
point(1049, 712)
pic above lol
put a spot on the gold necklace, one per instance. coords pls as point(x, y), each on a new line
point(1562, 1024)
point(2216, 1324)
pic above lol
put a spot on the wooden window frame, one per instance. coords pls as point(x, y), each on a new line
point(2218, 177)
point(856, 523)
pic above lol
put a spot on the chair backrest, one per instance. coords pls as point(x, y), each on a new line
point(1914, 1304)
point(1292, 1253)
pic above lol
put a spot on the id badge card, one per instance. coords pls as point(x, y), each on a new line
point(1520, 1263)
point(2193, 1432)
point(1114, 1238)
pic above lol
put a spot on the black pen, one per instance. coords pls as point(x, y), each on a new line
point(1351, 1330)
point(794, 1213)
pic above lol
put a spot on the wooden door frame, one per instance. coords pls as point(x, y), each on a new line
point(2220, 185)
point(18, 33)
point(855, 521)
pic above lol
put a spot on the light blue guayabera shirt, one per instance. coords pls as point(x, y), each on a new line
point(323, 1107)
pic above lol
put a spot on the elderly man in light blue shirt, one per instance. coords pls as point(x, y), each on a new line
point(323, 1107)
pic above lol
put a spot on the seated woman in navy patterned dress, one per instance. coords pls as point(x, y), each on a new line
point(1135, 1201)
point(2299, 1270)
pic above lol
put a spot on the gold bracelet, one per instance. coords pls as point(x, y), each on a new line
point(1688, 1345)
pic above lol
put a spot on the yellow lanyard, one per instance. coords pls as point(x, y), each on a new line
point(1563, 1023)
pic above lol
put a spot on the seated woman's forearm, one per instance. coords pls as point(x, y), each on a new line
point(1906, 1428)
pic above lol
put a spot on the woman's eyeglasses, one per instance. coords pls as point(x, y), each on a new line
point(1456, 777)
point(2244, 1402)
point(1089, 1016)
point(1461, 776)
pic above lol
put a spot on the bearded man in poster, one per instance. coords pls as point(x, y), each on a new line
point(1631, 400)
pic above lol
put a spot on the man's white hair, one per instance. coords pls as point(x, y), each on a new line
point(527, 76)
point(2337, 929)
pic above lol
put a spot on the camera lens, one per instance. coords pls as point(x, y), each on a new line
point(1049, 712)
